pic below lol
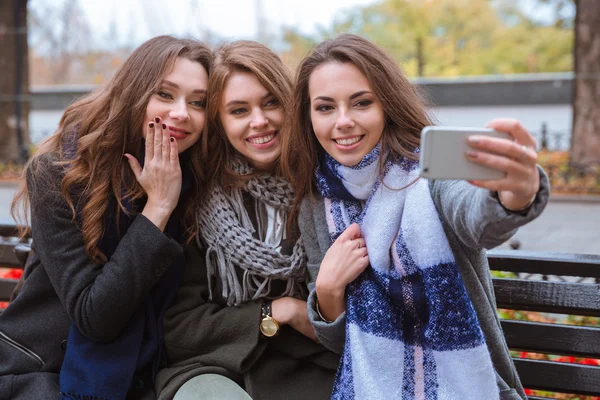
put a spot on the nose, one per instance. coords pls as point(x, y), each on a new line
point(344, 121)
point(179, 111)
point(259, 120)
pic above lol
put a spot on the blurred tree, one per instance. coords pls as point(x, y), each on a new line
point(60, 38)
point(454, 37)
point(586, 103)
point(14, 81)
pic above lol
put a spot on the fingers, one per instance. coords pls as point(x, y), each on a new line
point(500, 163)
point(150, 141)
point(135, 166)
point(360, 243)
point(174, 155)
point(351, 232)
point(519, 152)
point(515, 129)
point(158, 140)
point(166, 144)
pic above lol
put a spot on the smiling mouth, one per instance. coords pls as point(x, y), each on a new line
point(263, 139)
point(348, 141)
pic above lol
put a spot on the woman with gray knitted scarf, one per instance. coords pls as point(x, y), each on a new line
point(238, 328)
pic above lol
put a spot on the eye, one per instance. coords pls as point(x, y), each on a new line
point(238, 111)
point(324, 108)
point(272, 103)
point(199, 103)
point(164, 95)
point(363, 103)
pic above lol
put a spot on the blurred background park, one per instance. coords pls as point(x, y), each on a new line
point(534, 60)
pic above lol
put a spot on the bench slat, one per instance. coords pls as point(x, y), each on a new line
point(578, 341)
point(8, 230)
point(559, 377)
point(6, 288)
point(8, 258)
point(584, 265)
point(553, 297)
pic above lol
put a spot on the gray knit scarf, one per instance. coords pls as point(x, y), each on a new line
point(228, 236)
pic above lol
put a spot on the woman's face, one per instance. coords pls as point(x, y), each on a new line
point(251, 118)
point(347, 118)
point(180, 102)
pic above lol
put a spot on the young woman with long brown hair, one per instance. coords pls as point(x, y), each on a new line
point(111, 195)
point(402, 284)
point(239, 327)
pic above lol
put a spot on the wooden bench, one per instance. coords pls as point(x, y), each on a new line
point(551, 295)
point(13, 253)
point(548, 295)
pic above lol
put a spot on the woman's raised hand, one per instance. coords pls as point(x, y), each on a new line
point(161, 175)
point(517, 158)
point(344, 261)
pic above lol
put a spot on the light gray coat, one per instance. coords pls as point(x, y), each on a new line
point(473, 221)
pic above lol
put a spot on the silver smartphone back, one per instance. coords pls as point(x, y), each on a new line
point(443, 154)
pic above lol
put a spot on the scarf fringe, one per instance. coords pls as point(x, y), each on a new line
point(227, 233)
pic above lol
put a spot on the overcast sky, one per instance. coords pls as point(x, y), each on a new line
point(143, 19)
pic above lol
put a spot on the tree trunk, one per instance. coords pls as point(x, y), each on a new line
point(420, 57)
point(586, 104)
point(14, 81)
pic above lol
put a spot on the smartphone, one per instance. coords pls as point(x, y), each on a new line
point(443, 154)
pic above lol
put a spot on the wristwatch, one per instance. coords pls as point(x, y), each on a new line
point(269, 327)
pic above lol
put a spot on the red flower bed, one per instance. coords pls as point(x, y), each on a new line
point(11, 273)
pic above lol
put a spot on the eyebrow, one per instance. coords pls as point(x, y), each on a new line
point(238, 102)
point(176, 86)
point(352, 97)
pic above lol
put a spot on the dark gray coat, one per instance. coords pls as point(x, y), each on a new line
point(63, 286)
point(207, 336)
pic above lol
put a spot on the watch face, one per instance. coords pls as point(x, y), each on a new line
point(269, 327)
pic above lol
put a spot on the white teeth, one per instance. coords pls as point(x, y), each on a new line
point(348, 142)
point(263, 139)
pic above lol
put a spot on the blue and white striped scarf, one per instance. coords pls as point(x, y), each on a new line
point(411, 330)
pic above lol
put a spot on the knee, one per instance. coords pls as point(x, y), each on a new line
point(211, 387)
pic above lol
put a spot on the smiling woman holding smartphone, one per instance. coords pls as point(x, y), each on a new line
point(400, 280)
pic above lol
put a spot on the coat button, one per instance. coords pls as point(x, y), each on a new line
point(63, 345)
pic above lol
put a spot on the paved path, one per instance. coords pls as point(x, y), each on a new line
point(564, 227)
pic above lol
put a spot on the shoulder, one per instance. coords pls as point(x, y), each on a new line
point(309, 208)
point(44, 172)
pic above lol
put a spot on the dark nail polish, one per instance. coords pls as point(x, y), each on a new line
point(172, 139)
point(151, 124)
point(164, 126)
point(156, 119)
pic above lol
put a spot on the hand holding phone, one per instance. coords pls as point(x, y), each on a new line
point(502, 159)
point(443, 154)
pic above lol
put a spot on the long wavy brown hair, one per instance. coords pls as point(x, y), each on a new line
point(103, 126)
point(403, 106)
point(271, 72)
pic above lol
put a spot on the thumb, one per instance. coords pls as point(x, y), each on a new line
point(351, 232)
point(135, 165)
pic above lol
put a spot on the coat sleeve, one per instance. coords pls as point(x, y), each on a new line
point(476, 215)
point(213, 334)
point(99, 298)
point(330, 334)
